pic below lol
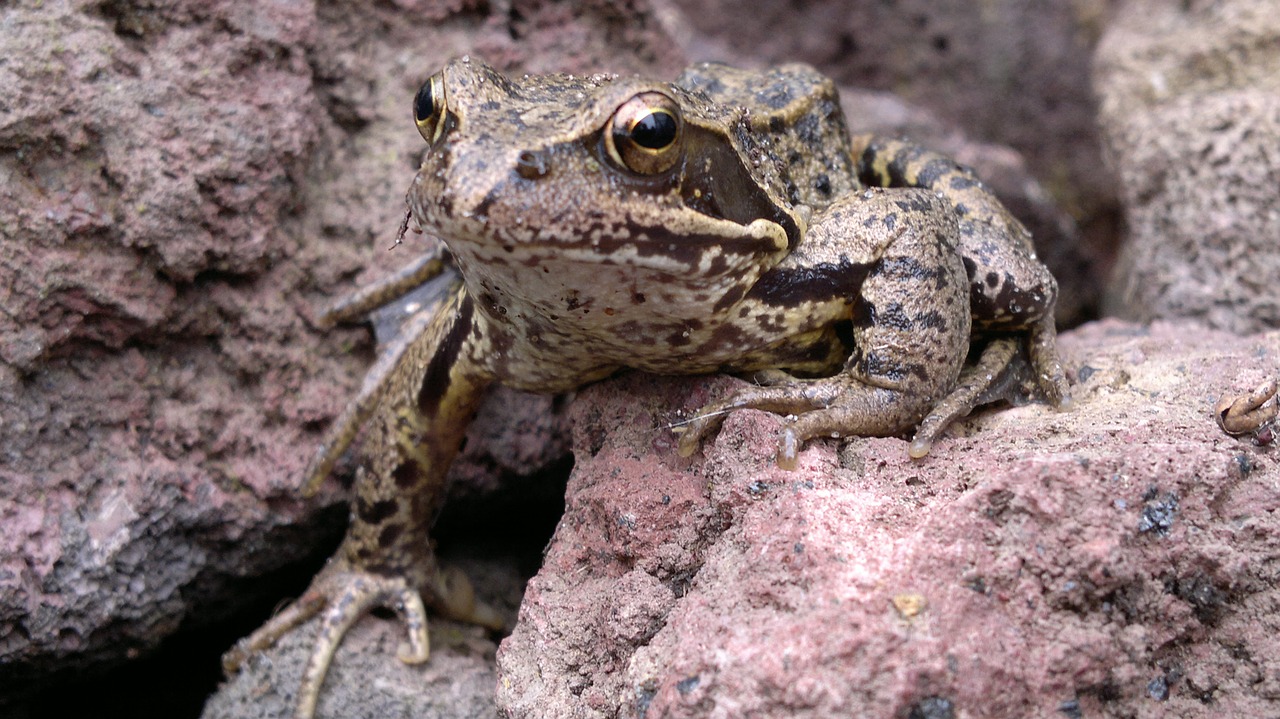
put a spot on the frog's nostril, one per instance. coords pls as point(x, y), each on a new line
point(531, 165)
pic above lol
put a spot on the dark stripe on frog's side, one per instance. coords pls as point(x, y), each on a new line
point(435, 382)
point(791, 286)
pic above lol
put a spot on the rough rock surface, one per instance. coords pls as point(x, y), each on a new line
point(1191, 114)
point(1114, 560)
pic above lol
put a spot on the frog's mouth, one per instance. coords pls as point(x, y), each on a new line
point(717, 247)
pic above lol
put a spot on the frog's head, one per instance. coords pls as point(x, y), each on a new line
point(553, 172)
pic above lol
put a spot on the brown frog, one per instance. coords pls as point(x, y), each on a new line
point(722, 222)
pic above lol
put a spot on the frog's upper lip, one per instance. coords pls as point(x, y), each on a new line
point(649, 247)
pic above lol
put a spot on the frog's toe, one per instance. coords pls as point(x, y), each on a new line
point(859, 410)
point(1043, 351)
point(350, 595)
point(456, 598)
point(340, 597)
point(790, 398)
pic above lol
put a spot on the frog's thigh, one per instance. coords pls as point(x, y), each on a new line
point(1010, 288)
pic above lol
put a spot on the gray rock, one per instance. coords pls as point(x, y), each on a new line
point(1191, 115)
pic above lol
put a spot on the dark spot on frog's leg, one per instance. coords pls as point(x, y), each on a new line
point(895, 316)
point(890, 221)
point(910, 269)
point(375, 512)
point(962, 182)
point(678, 338)
point(993, 279)
point(389, 534)
point(436, 380)
point(776, 124)
point(897, 178)
point(407, 474)
point(822, 183)
point(876, 364)
point(917, 205)
point(930, 320)
point(933, 170)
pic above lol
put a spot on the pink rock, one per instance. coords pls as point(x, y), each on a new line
point(1036, 561)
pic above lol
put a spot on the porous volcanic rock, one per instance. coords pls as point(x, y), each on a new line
point(1110, 560)
point(1191, 115)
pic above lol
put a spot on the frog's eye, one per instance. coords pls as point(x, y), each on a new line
point(644, 134)
point(429, 109)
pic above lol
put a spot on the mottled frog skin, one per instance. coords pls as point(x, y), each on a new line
point(721, 222)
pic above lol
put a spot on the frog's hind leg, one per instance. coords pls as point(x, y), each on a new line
point(910, 328)
point(387, 558)
point(988, 379)
point(1010, 290)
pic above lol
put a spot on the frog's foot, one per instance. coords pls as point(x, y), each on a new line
point(830, 407)
point(1043, 350)
point(342, 596)
point(988, 379)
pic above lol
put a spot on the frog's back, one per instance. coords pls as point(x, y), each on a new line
point(794, 115)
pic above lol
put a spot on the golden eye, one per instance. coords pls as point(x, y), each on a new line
point(644, 134)
point(429, 108)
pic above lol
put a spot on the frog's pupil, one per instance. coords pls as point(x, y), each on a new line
point(655, 130)
point(424, 104)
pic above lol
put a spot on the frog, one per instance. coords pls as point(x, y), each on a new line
point(726, 221)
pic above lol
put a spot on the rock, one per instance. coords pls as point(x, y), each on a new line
point(1191, 114)
point(1035, 560)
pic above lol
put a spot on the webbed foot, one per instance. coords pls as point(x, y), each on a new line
point(340, 596)
point(843, 406)
point(831, 406)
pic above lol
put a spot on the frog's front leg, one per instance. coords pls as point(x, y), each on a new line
point(387, 557)
point(909, 316)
